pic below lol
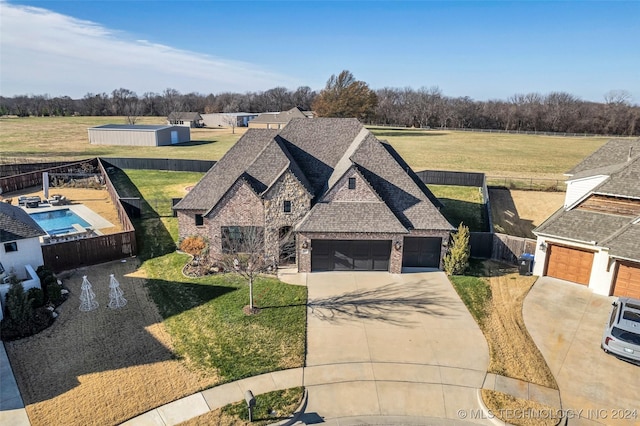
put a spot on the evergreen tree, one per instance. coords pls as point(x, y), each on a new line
point(456, 260)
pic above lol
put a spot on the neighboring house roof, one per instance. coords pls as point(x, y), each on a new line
point(613, 153)
point(16, 224)
point(606, 226)
point(185, 116)
point(281, 117)
point(319, 152)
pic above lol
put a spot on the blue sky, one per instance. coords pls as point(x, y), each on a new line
point(485, 50)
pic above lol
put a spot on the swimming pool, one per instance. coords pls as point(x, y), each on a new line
point(57, 222)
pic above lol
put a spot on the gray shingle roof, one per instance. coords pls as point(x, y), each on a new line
point(626, 244)
point(343, 216)
point(185, 116)
point(624, 182)
point(281, 117)
point(614, 152)
point(582, 225)
point(16, 224)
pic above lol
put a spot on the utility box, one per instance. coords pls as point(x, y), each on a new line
point(525, 264)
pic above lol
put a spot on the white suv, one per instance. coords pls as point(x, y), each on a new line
point(622, 334)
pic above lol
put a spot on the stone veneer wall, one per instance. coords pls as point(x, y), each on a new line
point(287, 188)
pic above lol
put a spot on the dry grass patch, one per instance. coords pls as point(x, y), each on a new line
point(513, 351)
point(519, 212)
point(518, 411)
point(105, 366)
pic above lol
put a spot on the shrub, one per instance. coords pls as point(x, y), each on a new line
point(456, 260)
point(43, 272)
point(36, 295)
point(194, 245)
point(19, 311)
point(54, 293)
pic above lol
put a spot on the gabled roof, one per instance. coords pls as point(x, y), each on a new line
point(185, 116)
point(16, 224)
point(624, 244)
point(609, 155)
point(281, 117)
point(581, 225)
point(319, 152)
point(624, 182)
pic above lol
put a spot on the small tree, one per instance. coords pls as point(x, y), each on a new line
point(19, 309)
point(244, 254)
point(231, 121)
point(456, 260)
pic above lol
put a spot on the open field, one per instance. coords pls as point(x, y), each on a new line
point(65, 138)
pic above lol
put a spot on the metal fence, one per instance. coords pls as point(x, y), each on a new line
point(527, 183)
point(170, 164)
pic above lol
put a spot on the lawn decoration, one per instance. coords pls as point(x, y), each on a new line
point(87, 296)
point(116, 298)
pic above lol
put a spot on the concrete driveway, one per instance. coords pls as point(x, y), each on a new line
point(391, 345)
point(566, 321)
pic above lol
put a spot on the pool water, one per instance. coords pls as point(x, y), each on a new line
point(58, 222)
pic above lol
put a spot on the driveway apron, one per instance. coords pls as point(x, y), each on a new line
point(566, 321)
point(391, 345)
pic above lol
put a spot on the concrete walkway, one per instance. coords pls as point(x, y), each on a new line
point(12, 410)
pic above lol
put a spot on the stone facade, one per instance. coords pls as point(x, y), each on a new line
point(286, 188)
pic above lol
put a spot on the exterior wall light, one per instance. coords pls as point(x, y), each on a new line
point(543, 246)
point(305, 244)
point(397, 245)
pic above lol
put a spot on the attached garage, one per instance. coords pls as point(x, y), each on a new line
point(421, 252)
point(350, 255)
point(627, 280)
point(569, 263)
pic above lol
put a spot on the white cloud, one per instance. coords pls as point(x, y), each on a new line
point(45, 52)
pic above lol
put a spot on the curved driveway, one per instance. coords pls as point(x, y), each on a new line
point(391, 345)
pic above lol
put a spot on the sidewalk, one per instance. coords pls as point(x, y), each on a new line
point(12, 410)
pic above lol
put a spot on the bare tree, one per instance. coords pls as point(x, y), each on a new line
point(231, 121)
point(244, 254)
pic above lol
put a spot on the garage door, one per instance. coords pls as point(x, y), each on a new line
point(350, 255)
point(569, 264)
point(421, 252)
point(627, 281)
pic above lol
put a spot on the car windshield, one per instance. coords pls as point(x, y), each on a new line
point(626, 336)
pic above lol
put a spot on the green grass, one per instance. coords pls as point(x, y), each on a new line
point(462, 204)
point(204, 316)
point(475, 292)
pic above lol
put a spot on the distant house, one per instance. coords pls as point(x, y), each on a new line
point(277, 120)
point(20, 250)
point(594, 239)
point(138, 135)
point(186, 119)
point(326, 190)
point(224, 119)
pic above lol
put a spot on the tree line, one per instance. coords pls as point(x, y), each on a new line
point(344, 96)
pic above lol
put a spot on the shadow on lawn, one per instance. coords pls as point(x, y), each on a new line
point(195, 143)
point(473, 215)
point(415, 133)
point(392, 303)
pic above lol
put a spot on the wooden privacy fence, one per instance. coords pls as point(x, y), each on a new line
point(444, 177)
point(501, 247)
point(89, 251)
point(34, 178)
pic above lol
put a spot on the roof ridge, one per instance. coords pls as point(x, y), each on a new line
point(345, 161)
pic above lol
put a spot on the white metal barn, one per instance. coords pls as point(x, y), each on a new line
point(138, 135)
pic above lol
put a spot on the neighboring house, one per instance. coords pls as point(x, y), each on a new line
point(594, 239)
point(278, 120)
point(20, 251)
point(350, 200)
point(138, 135)
point(225, 119)
point(185, 119)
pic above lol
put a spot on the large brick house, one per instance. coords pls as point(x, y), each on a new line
point(594, 239)
point(350, 200)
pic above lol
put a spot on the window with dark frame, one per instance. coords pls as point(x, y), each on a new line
point(199, 220)
point(10, 247)
point(352, 183)
point(286, 206)
point(241, 239)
